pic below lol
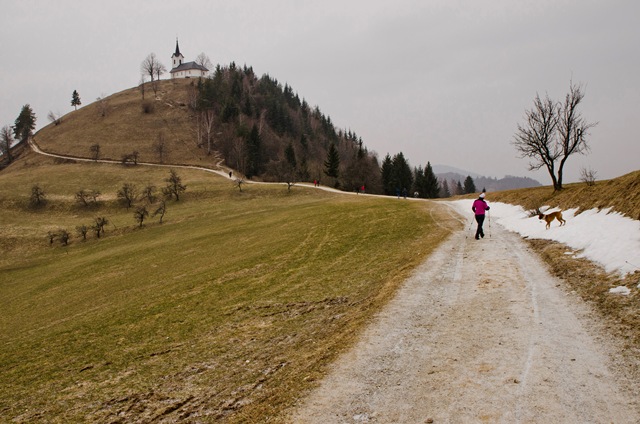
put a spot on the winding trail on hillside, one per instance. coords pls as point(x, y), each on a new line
point(480, 333)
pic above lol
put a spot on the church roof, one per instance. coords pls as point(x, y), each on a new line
point(189, 65)
point(177, 53)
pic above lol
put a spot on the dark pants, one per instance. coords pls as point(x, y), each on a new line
point(480, 221)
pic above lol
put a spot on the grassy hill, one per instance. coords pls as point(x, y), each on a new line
point(226, 311)
point(120, 125)
point(211, 122)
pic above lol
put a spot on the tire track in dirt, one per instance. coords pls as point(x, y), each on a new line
point(480, 333)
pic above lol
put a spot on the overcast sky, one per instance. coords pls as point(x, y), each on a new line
point(440, 80)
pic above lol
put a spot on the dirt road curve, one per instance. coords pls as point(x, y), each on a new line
point(481, 333)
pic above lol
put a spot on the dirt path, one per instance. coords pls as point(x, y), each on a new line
point(480, 333)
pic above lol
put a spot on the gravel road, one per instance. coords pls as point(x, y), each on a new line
point(481, 333)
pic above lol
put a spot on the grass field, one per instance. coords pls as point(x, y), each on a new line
point(227, 311)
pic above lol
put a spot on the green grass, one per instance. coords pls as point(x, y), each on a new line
point(227, 311)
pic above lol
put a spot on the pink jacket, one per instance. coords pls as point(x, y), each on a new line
point(479, 207)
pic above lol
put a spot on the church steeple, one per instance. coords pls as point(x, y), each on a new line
point(177, 57)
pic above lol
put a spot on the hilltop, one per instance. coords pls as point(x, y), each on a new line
point(252, 125)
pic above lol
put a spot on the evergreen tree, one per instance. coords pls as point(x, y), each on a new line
point(419, 185)
point(403, 176)
point(75, 100)
point(254, 153)
point(444, 189)
point(431, 183)
point(25, 123)
point(290, 156)
point(459, 189)
point(332, 164)
point(469, 185)
point(387, 176)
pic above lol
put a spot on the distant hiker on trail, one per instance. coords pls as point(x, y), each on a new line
point(230, 174)
point(479, 207)
point(362, 189)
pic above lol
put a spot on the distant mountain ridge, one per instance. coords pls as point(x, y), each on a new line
point(508, 182)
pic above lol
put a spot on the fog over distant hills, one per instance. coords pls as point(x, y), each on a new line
point(508, 182)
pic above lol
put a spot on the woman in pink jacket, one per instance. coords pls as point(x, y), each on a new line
point(479, 207)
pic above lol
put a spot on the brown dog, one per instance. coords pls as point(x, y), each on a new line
point(550, 217)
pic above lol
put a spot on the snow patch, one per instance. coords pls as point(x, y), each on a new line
point(623, 290)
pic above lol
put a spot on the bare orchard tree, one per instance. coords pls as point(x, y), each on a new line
point(174, 185)
point(140, 214)
point(6, 140)
point(552, 132)
point(98, 226)
point(149, 193)
point(161, 210)
point(128, 194)
point(82, 231)
point(37, 196)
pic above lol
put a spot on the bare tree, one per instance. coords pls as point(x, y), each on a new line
point(54, 118)
point(37, 195)
point(553, 132)
point(161, 210)
point(6, 140)
point(140, 214)
point(207, 117)
point(203, 60)
point(95, 151)
point(128, 194)
point(160, 146)
point(572, 127)
point(84, 197)
point(151, 66)
point(82, 231)
point(174, 185)
point(149, 194)
point(98, 226)
point(160, 69)
point(103, 105)
point(588, 176)
point(238, 183)
point(141, 85)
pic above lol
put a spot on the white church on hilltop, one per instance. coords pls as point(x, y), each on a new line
point(182, 69)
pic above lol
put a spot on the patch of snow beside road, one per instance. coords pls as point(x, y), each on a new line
point(602, 236)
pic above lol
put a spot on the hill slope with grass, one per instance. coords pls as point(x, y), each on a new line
point(225, 312)
point(252, 125)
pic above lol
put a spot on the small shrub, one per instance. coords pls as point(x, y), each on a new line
point(148, 107)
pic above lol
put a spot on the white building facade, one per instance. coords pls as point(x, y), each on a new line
point(182, 69)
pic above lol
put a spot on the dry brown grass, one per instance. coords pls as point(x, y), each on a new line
point(227, 312)
point(622, 194)
point(126, 127)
